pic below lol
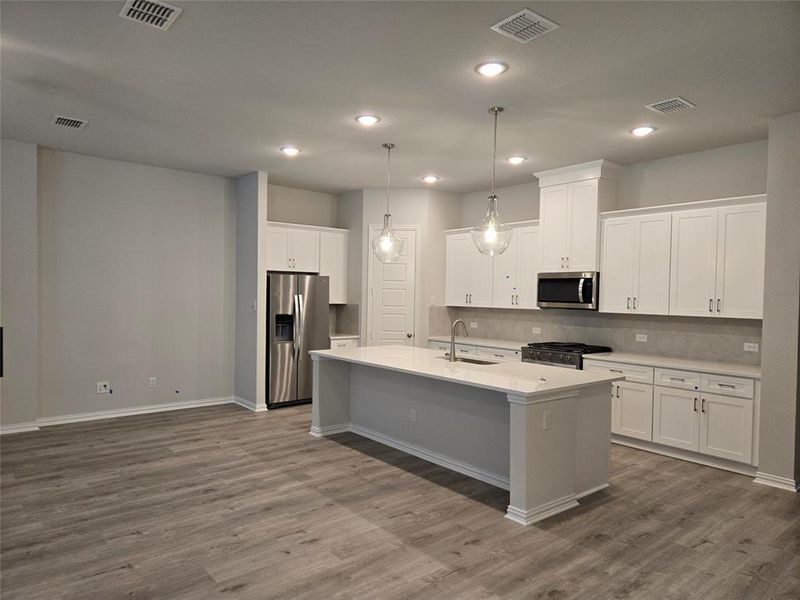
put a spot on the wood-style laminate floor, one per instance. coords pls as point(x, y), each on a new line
point(223, 503)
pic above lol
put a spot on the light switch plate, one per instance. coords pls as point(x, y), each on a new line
point(641, 337)
point(473, 324)
point(750, 347)
point(536, 330)
point(103, 387)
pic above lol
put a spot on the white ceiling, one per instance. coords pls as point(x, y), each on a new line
point(230, 82)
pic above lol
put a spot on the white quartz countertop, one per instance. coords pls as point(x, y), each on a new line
point(344, 336)
point(664, 362)
point(524, 379)
point(479, 341)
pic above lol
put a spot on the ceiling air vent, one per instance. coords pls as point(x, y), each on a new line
point(69, 122)
point(525, 26)
point(156, 14)
point(671, 105)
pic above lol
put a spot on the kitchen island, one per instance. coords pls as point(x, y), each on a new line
point(540, 432)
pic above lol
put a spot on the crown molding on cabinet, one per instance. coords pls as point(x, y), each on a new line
point(307, 227)
point(596, 169)
point(529, 223)
point(700, 204)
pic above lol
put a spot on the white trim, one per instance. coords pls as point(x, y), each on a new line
point(458, 466)
point(701, 459)
point(539, 513)
point(595, 169)
point(306, 227)
point(776, 481)
point(328, 430)
point(712, 203)
point(125, 412)
point(18, 428)
point(248, 404)
point(516, 398)
point(512, 224)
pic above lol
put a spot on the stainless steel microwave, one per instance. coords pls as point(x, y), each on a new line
point(568, 290)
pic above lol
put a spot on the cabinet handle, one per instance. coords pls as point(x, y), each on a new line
point(695, 405)
point(681, 379)
point(562, 262)
point(568, 262)
point(730, 386)
point(617, 391)
point(616, 370)
point(628, 305)
point(703, 405)
point(634, 303)
point(718, 305)
point(466, 298)
point(710, 305)
point(470, 298)
point(499, 355)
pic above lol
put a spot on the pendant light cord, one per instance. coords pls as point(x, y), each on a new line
point(494, 150)
point(388, 147)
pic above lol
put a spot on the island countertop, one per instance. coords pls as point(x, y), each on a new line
point(524, 379)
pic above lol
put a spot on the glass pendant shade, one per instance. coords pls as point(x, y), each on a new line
point(388, 246)
point(492, 236)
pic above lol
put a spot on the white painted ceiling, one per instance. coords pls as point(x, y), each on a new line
point(231, 82)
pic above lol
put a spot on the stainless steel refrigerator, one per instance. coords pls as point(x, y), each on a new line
point(297, 306)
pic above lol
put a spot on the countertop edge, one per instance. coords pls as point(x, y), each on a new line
point(686, 364)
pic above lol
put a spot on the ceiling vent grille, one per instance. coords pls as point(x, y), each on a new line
point(525, 26)
point(671, 105)
point(155, 14)
point(69, 122)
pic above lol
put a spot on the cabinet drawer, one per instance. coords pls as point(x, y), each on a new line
point(727, 386)
point(439, 346)
point(462, 349)
point(349, 343)
point(500, 355)
point(685, 380)
point(631, 372)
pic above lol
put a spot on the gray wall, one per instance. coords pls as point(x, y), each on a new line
point(251, 211)
point(136, 280)
point(19, 271)
point(779, 450)
point(517, 203)
point(292, 205)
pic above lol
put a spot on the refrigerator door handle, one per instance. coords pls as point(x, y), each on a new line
point(296, 341)
point(302, 318)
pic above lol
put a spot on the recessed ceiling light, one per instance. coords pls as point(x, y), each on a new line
point(430, 179)
point(516, 160)
point(290, 150)
point(491, 69)
point(643, 130)
point(368, 120)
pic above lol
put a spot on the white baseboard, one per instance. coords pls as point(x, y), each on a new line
point(248, 404)
point(19, 428)
point(776, 481)
point(540, 513)
point(329, 430)
point(126, 412)
point(434, 457)
point(590, 491)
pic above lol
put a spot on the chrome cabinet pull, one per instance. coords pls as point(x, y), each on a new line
point(710, 305)
point(695, 405)
point(718, 305)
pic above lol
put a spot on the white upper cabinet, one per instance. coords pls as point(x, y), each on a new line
point(570, 202)
point(516, 270)
point(635, 264)
point(333, 263)
point(468, 273)
point(718, 261)
point(741, 236)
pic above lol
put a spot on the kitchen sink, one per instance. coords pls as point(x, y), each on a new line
point(472, 361)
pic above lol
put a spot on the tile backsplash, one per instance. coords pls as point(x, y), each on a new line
point(684, 337)
point(343, 318)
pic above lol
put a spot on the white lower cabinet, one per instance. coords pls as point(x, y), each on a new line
point(632, 410)
point(726, 427)
point(676, 420)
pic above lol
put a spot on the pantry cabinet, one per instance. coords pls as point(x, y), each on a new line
point(635, 264)
point(468, 273)
point(516, 271)
point(718, 261)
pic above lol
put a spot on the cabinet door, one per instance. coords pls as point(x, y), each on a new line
point(528, 249)
point(694, 263)
point(726, 427)
point(583, 226)
point(304, 250)
point(741, 236)
point(676, 417)
point(457, 269)
point(632, 410)
point(616, 273)
point(554, 227)
point(333, 263)
point(277, 248)
point(481, 276)
point(652, 260)
point(504, 281)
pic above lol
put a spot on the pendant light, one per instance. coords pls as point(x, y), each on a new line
point(492, 236)
point(388, 247)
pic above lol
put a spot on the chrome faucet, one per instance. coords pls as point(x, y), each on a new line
point(452, 357)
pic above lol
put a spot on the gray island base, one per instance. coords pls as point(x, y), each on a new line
point(541, 432)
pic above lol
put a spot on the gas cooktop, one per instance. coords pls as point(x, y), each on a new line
point(562, 354)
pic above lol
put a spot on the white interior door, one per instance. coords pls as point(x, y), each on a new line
point(554, 227)
point(617, 272)
point(741, 236)
point(528, 249)
point(583, 228)
point(392, 294)
point(694, 263)
point(652, 261)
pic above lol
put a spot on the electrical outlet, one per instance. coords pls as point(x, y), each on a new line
point(641, 337)
point(545, 421)
point(152, 383)
point(750, 347)
point(473, 324)
point(103, 387)
point(537, 330)
point(255, 306)
point(412, 415)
